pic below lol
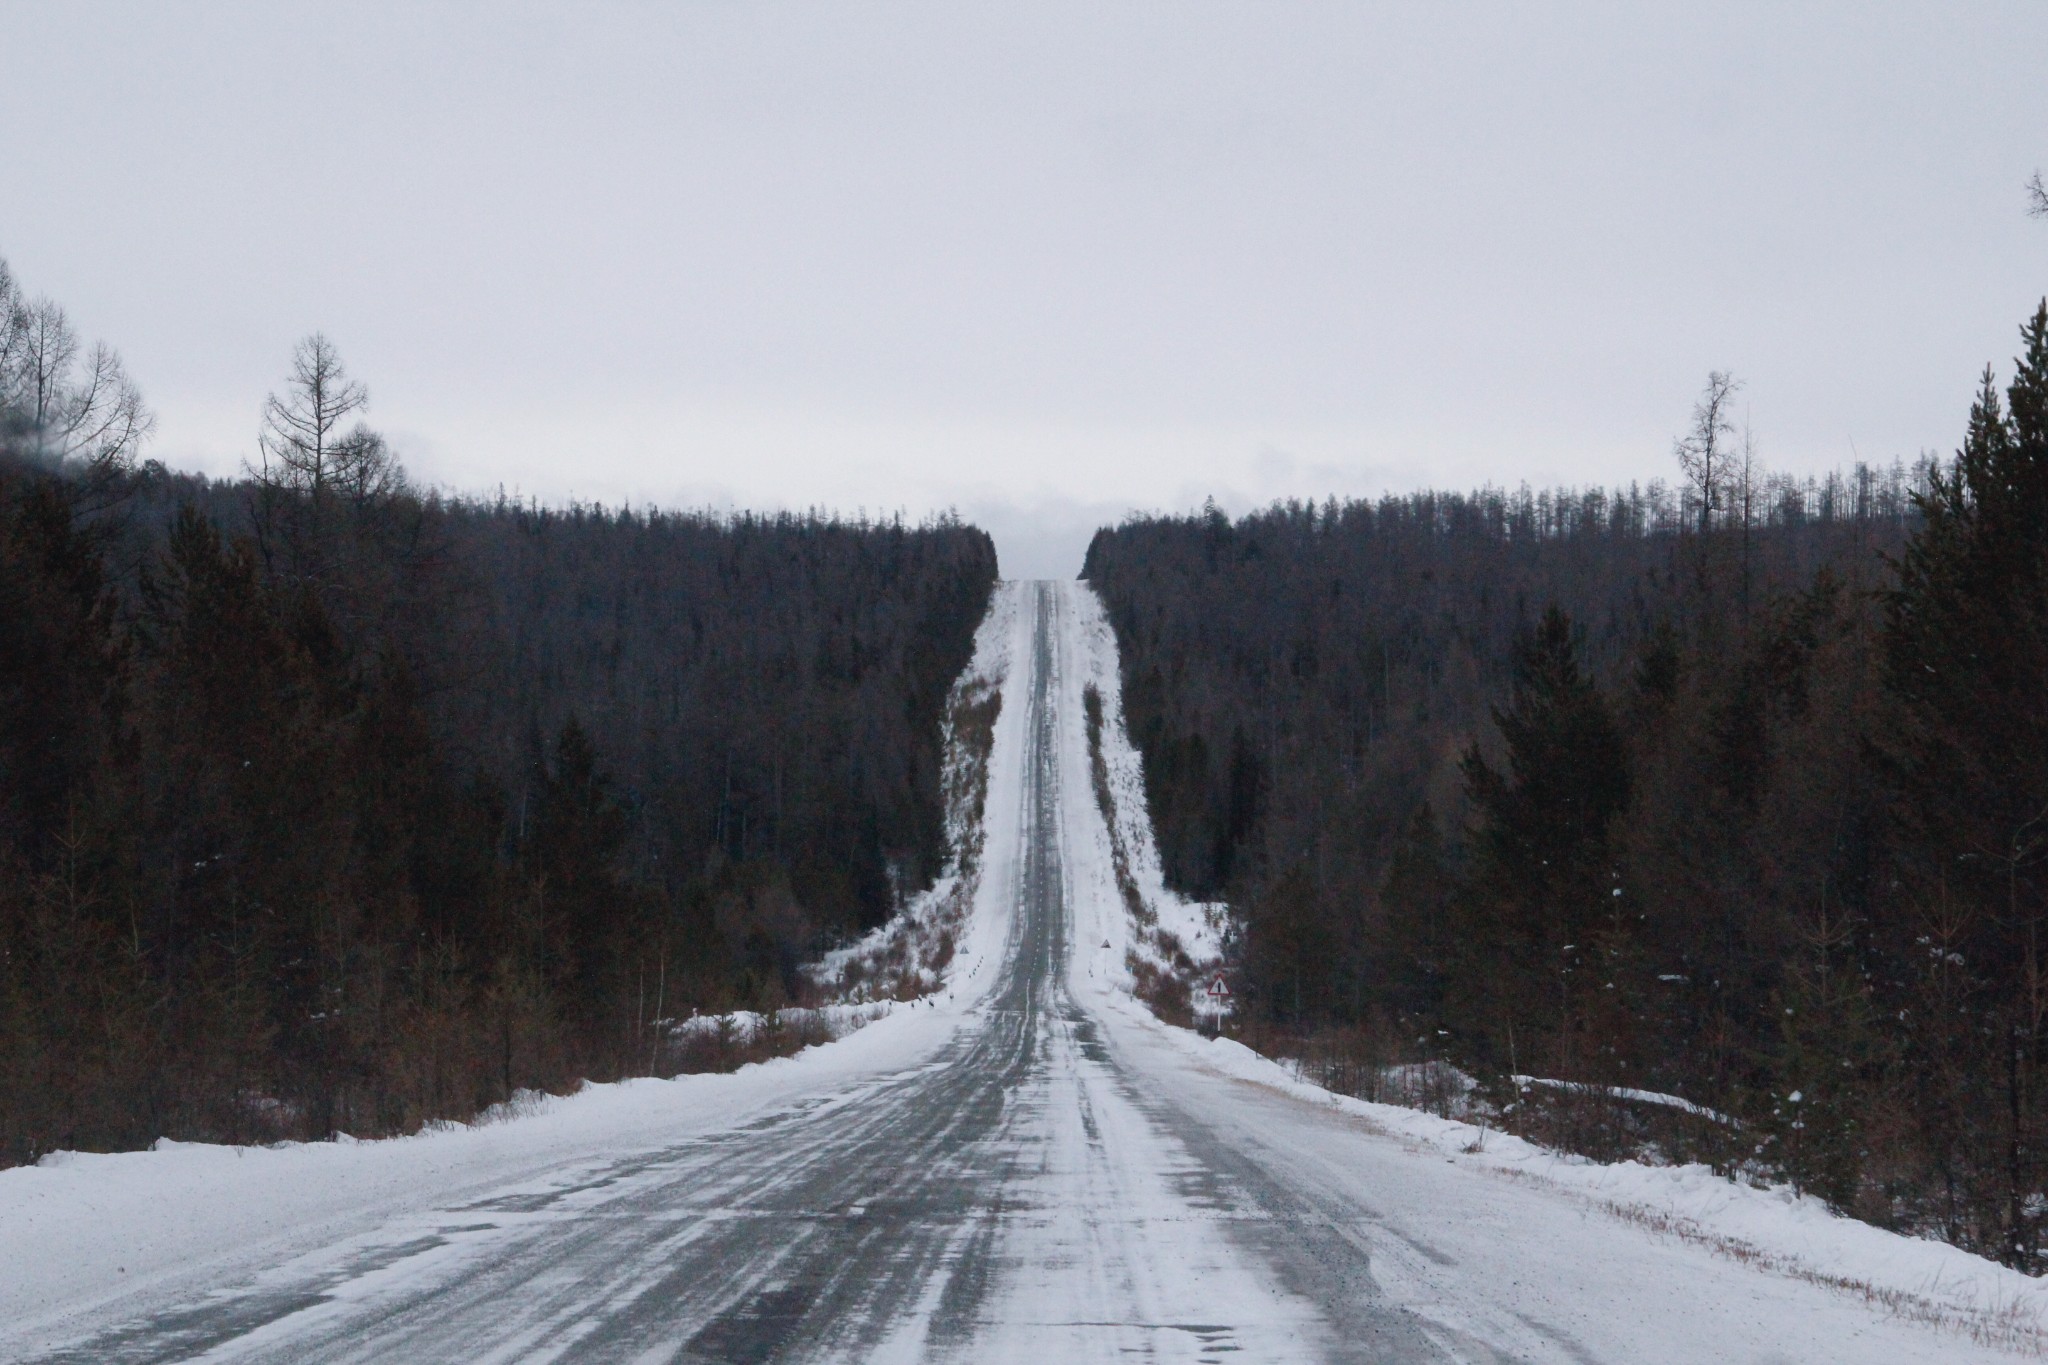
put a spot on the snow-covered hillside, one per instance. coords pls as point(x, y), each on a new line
point(1170, 944)
point(912, 955)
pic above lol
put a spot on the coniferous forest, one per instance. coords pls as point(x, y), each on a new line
point(329, 804)
point(1734, 789)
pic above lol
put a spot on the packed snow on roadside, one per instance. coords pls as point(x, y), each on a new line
point(1186, 938)
point(1773, 1229)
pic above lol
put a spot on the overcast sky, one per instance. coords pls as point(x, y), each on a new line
point(1046, 263)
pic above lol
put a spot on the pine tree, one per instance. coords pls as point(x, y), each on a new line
point(61, 668)
point(1827, 1062)
point(1544, 874)
point(578, 836)
point(1416, 947)
point(68, 999)
point(1291, 951)
point(1967, 664)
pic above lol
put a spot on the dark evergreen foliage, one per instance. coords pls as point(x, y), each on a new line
point(334, 810)
point(1966, 758)
point(1543, 869)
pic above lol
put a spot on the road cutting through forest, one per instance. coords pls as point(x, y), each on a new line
point(1027, 1167)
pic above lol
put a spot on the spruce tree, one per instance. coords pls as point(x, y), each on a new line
point(1967, 665)
point(1416, 948)
point(573, 861)
point(1544, 874)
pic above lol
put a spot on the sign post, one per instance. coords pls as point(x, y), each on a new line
point(1211, 1004)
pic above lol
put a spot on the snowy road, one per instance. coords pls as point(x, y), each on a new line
point(1030, 1169)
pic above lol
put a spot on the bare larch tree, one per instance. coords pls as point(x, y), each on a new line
point(62, 402)
point(317, 483)
point(304, 447)
point(1703, 454)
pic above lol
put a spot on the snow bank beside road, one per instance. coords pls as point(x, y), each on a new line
point(917, 951)
point(1772, 1229)
point(164, 1226)
point(1088, 659)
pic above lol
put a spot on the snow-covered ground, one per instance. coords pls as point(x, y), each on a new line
point(1089, 660)
point(1023, 1166)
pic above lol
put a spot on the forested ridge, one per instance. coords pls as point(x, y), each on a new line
point(1735, 789)
point(328, 804)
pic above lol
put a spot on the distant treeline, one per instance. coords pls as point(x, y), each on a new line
point(1738, 792)
point(329, 805)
